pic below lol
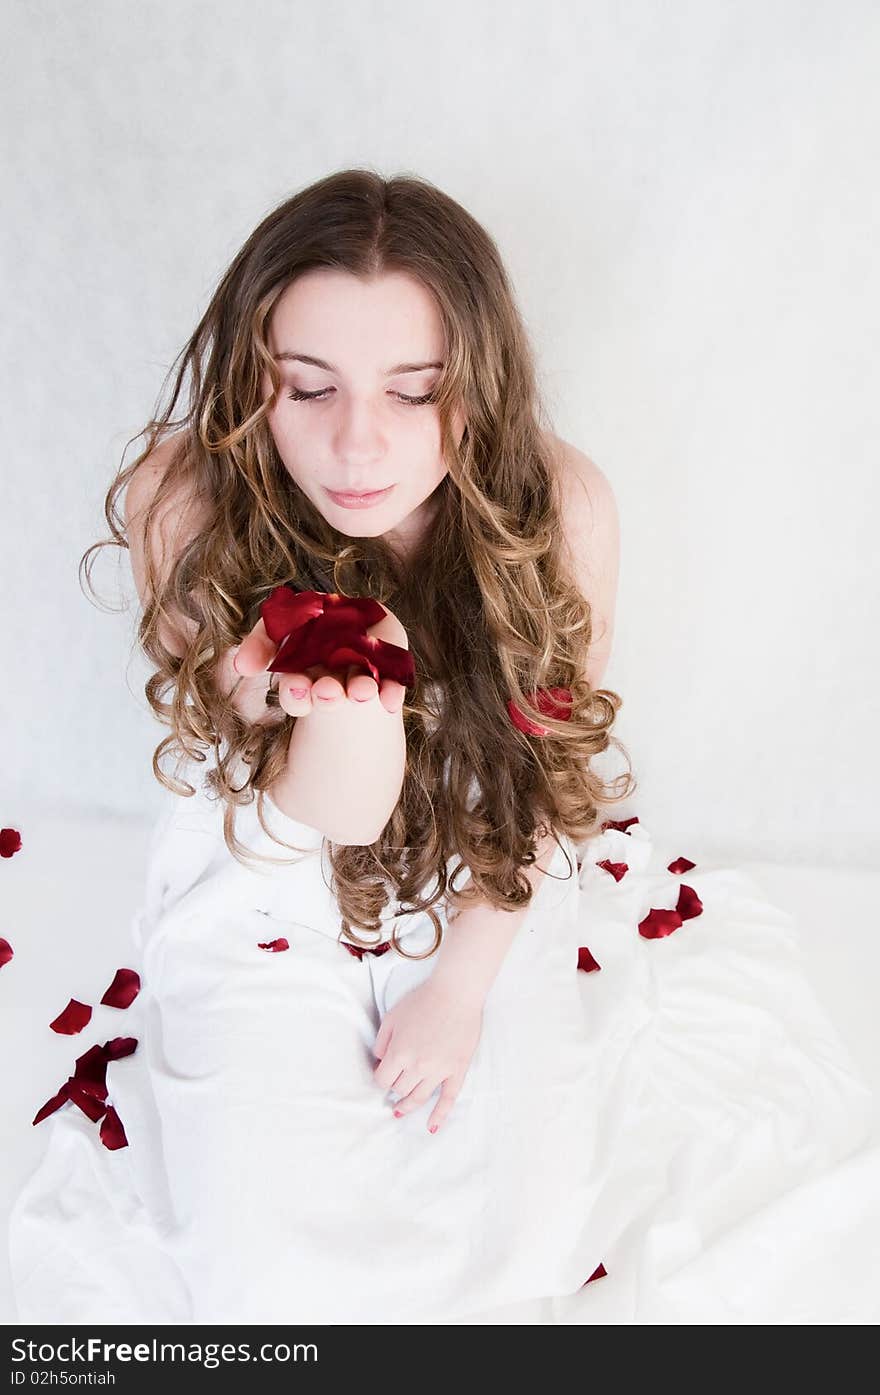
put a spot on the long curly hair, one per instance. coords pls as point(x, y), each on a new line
point(489, 606)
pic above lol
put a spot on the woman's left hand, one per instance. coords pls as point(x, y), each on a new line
point(426, 1040)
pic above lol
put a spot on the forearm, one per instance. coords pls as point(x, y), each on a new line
point(344, 770)
point(478, 938)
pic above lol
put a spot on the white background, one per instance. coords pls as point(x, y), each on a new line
point(686, 196)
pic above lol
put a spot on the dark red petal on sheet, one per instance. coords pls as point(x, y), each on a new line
point(586, 961)
point(274, 945)
point(112, 1132)
point(359, 953)
point(10, 841)
point(553, 702)
point(6, 952)
point(119, 1046)
point(622, 825)
point(123, 990)
point(91, 1071)
point(51, 1105)
point(599, 1273)
point(72, 1020)
point(688, 904)
point(94, 1108)
point(618, 870)
point(657, 924)
point(681, 864)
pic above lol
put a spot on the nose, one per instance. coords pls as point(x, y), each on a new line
point(360, 445)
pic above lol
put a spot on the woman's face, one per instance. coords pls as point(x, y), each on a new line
point(361, 432)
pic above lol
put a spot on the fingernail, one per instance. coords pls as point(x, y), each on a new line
point(299, 692)
point(433, 1128)
point(398, 1113)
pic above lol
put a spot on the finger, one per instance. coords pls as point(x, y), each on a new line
point(294, 693)
point(327, 691)
point(391, 695)
point(448, 1095)
point(255, 652)
point(383, 1037)
point(360, 686)
point(387, 1071)
point(406, 1081)
point(416, 1097)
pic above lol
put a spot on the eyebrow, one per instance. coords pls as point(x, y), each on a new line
point(288, 354)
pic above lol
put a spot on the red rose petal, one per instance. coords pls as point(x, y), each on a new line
point(51, 1105)
point(119, 1046)
point(657, 924)
point(553, 702)
point(10, 841)
point(72, 1020)
point(359, 953)
point(681, 864)
point(6, 952)
point(586, 960)
point(123, 990)
point(622, 825)
point(89, 1105)
point(334, 644)
point(599, 1273)
point(315, 628)
point(112, 1132)
point(618, 870)
point(285, 610)
point(91, 1071)
point(688, 904)
point(274, 945)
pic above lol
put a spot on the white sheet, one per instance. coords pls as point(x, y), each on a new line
point(716, 1098)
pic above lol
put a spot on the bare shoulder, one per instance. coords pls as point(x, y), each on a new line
point(586, 493)
point(591, 538)
point(178, 519)
point(144, 483)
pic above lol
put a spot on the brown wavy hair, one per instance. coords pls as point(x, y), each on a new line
point(487, 601)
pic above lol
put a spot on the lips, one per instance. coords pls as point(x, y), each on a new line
point(359, 493)
point(360, 500)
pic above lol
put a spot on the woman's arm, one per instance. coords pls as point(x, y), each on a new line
point(345, 767)
point(478, 938)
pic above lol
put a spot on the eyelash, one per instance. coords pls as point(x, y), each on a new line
point(298, 396)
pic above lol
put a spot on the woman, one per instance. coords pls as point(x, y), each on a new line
point(383, 1079)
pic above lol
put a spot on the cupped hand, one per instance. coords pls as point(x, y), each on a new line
point(319, 687)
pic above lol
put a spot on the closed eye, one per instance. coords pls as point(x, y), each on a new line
point(297, 396)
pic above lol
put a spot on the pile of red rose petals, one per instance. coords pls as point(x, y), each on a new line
point(658, 923)
point(275, 946)
point(317, 627)
point(87, 1087)
point(553, 702)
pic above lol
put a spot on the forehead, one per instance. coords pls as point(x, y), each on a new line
point(334, 315)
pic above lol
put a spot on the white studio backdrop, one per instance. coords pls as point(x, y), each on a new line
point(686, 196)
